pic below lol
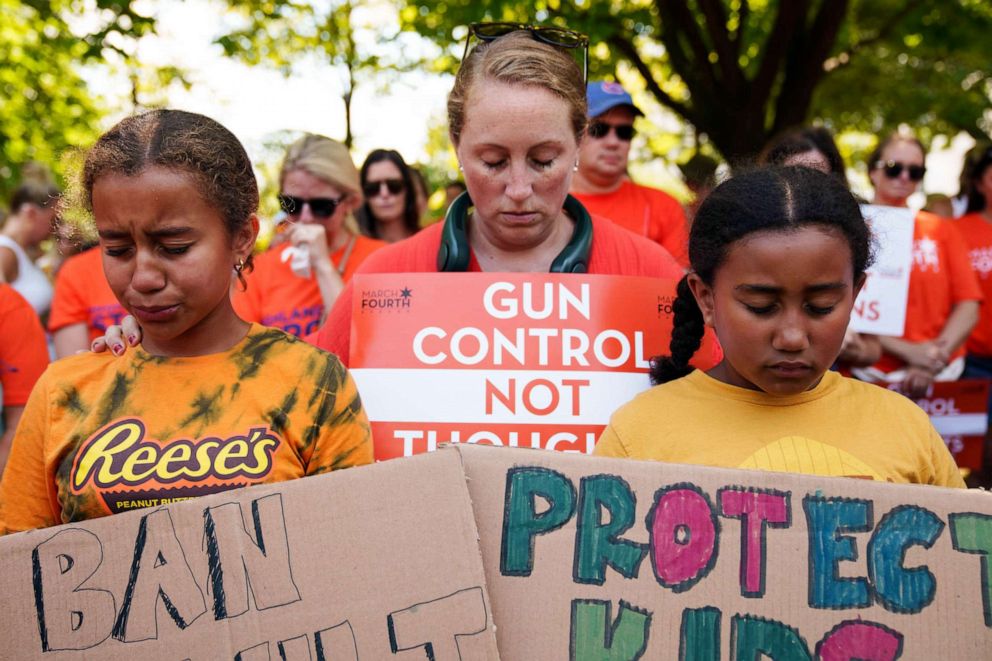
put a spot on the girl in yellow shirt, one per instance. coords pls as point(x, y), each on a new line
point(777, 258)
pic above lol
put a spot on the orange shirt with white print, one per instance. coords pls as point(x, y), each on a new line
point(279, 298)
point(103, 434)
point(977, 233)
point(645, 211)
point(940, 278)
point(82, 295)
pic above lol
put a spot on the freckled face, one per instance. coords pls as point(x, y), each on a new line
point(517, 149)
point(780, 304)
point(168, 259)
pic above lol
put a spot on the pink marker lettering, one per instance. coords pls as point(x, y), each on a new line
point(683, 536)
point(757, 510)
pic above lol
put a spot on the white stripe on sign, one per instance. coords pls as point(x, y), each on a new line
point(965, 424)
point(479, 396)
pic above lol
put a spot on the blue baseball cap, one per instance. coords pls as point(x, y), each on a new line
point(605, 95)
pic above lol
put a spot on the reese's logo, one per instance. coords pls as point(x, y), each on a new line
point(387, 299)
point(119, 460)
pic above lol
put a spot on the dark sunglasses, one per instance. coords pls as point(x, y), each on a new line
point(599, 130)
point(552, 36)
point(893, 169)
point(320, 207)
point(394, 186)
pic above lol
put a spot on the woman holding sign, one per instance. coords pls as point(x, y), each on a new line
point(772, 403)
point(516, 115)
point(944, 294)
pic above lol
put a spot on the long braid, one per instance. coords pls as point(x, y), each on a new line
point(687, 336)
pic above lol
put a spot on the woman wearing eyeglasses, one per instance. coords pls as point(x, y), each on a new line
point(390, 209)
point(516, 115)
point(300, 277)
point(944, 294)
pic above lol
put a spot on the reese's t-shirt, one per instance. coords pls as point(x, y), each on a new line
point(102, 434)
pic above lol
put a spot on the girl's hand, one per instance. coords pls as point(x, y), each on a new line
point(118, 338)
point(917, 382)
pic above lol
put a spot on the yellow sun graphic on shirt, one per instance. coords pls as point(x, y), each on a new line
point(796, 454)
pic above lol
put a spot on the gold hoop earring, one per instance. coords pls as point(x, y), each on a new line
point(240, 266)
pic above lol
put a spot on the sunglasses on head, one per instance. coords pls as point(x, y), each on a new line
point(599, 130)
point(320, 207)
point(552, 36)
point(373, 188)
point(893, 169)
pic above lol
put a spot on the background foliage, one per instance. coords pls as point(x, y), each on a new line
point(734, 72)
point(740, 71)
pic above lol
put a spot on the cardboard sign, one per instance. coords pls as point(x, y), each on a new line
point(520, 360)
point(581, 558)
point(379, 562)
point(590, 558)
point(959, 412)
point(880, 308)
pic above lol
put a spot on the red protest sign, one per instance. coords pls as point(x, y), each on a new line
point(959, 412)
point(521, 360)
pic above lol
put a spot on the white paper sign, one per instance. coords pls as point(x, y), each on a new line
point(881, 307)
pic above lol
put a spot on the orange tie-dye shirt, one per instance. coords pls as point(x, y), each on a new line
point(102, 435)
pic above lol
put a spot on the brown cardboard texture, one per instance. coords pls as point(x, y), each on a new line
point(592, 558)
point(368, 563)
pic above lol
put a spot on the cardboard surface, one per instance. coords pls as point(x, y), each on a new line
point(592, 558)
point(380, 562)
point(511, 359)
point(581, 558)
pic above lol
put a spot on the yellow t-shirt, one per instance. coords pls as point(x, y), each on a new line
point(842, 427)
point(102, 435)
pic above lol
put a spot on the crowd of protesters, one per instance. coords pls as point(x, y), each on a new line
point(176, 296)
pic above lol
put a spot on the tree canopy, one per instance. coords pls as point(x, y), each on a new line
point(740, 71)
point(280, 33)
point(45, 107)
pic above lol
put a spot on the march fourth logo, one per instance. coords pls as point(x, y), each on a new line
point(388, 299)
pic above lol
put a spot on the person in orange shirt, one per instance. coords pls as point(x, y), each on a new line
point(944, 294)
point(300, 277)
point(84, 305)
point(208, 402)
point(601, 182)
point(976, 227)
point(23, 357)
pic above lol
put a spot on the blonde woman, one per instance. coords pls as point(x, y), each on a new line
point(300, 277)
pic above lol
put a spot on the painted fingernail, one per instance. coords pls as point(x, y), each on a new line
point(118, 349)
point(132, 340)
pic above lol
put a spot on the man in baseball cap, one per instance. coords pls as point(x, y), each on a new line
point(601, 182)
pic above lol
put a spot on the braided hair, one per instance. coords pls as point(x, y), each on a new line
point(764, 199)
